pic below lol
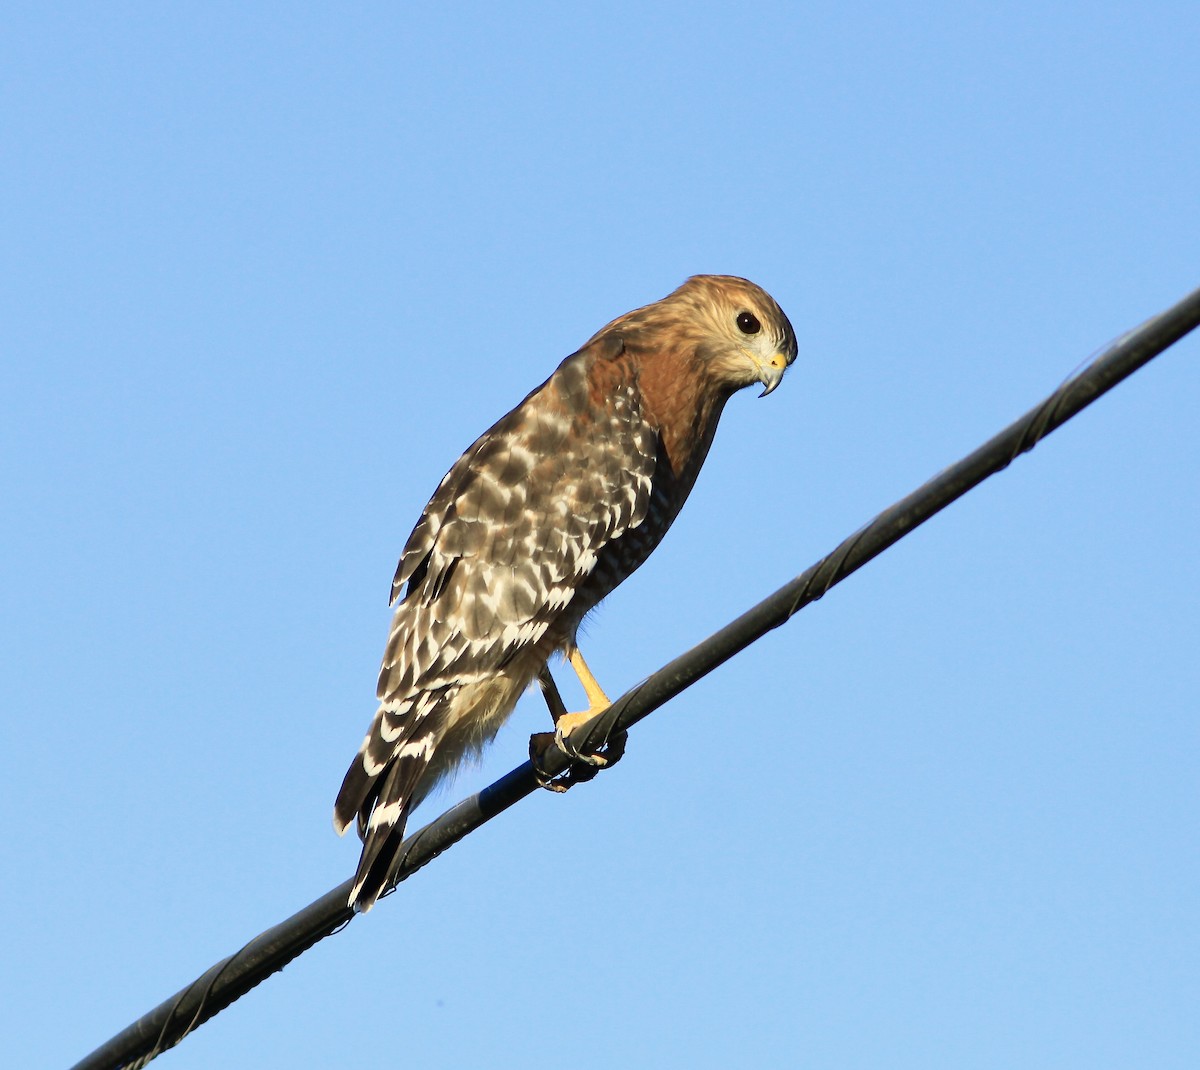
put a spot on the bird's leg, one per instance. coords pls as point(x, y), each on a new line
point(565, 723)
point(598, 702)
point(554, 702)
point(539, 742)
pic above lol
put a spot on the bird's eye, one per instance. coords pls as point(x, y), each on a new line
point(748, 323)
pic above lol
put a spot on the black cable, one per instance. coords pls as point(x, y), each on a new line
point(217, 988)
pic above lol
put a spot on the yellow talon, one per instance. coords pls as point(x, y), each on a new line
point(565, 724)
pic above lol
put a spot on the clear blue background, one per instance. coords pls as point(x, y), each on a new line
point(270, 268)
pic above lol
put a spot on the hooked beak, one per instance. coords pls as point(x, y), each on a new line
point(770, 374)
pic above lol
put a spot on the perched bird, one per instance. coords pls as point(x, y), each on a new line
point(540, 519)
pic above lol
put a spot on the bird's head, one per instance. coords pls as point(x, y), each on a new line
point(746, 338)
point(734, 329)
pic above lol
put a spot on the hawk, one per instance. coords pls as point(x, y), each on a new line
point(545, 514)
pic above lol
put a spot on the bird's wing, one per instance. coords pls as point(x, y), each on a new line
point(497, 558)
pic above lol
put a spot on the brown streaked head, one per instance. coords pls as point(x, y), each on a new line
point(735, 328)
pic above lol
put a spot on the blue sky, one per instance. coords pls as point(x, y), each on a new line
point(272, 267)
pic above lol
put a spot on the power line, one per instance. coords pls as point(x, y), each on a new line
point(228, 980)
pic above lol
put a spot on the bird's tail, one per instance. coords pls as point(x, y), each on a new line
point(381, 819)
point(378, 794)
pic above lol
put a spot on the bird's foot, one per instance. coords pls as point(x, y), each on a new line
point(539, 744)
point(569, 724)
point(586, 764)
